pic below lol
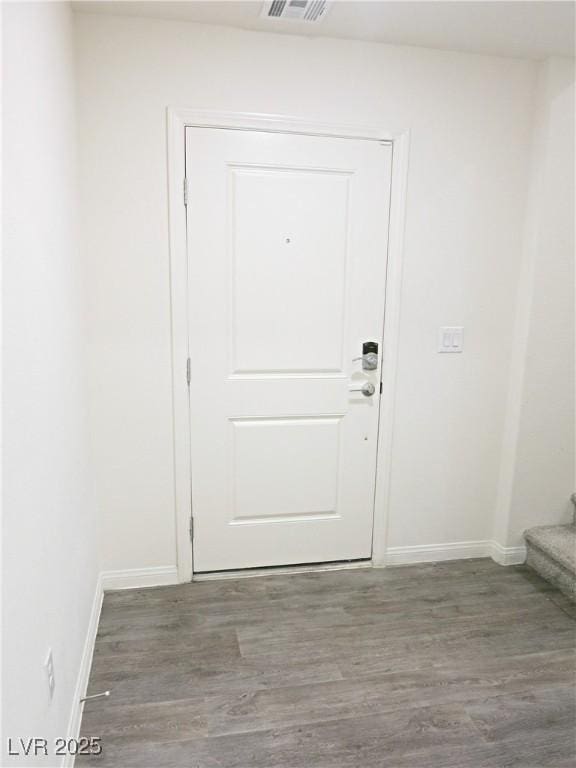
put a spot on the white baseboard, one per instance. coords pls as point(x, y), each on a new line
point(507, 555)
point(461, 550)
point(133, 578)
point(431, 553)
point(84, 671)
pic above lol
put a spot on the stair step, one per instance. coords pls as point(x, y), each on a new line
point(557, 541)
point(551, 551)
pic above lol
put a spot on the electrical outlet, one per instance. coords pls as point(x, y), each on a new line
point(49, 667)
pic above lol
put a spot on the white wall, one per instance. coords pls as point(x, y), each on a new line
point(49, 532)
point(470, 119)
point(538, 461)
point(467, 252)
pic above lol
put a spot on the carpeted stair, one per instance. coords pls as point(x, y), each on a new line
point(551, 551)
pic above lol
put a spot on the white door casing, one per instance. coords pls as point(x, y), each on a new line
point(287, 239)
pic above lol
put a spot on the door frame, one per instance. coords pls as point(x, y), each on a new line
point(178, 119)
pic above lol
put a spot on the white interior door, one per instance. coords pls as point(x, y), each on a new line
point(287, 242)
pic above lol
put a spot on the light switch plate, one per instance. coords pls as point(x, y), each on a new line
point(451, 338)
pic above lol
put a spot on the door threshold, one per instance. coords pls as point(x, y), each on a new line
point(281, 570)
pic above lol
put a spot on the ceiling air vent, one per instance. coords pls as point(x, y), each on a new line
point(295, 10)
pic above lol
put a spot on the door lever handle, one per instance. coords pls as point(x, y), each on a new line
point(367, 389)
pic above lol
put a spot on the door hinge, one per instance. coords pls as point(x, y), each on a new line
point(188, 371)
point(185, 191)
point(191, 528)
point(380, 387)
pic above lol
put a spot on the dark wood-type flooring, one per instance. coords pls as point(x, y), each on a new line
point(450, 665)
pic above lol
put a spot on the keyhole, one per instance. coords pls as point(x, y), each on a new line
point(288, 241)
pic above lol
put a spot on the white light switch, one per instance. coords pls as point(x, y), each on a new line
point(451, 338)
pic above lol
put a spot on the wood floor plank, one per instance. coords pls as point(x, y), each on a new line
point(151, 680)
point(527, 712)
point(200, 645)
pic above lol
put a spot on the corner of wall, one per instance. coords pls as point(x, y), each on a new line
point(528, 418)
point(523, 302)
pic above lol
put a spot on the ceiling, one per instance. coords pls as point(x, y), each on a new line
point(531, 29)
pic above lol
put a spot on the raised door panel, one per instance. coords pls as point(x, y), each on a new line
point(284, 469)
point(289, 238)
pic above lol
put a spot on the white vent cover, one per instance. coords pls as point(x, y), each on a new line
point(295, 10)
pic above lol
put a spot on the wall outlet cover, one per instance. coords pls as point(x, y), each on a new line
point(49, 667)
